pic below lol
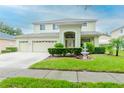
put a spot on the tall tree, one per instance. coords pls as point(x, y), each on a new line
point(10, 30)
point(117, 43)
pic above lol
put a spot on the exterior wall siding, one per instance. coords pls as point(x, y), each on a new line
point(104, 39)
point(36, 28)
point(116, 34)
point(91, 26)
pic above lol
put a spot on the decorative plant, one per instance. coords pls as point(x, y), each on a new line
point(109, 48)
point(58, 45)
point(90, 47)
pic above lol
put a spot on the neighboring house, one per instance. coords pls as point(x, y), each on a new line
point(119, 32)
point(6, 40)
point(104, 39)
point(69, 32)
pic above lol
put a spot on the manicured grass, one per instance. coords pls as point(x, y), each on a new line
point(101, 62)
point(121, 52)
point(26, 82)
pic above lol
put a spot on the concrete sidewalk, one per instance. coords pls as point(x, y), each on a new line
point(74, 76)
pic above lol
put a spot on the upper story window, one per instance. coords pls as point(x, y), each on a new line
point(121, 31)
point(84, 24)
point(55, 27)
point(42, 27)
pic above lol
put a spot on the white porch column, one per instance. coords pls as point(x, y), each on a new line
point(61, 38)
point(96, 41)
point(77, 39)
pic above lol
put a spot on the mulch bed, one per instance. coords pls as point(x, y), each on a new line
point(70, 56)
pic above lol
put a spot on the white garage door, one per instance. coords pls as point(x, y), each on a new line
point(42, 46)
point(23, 46)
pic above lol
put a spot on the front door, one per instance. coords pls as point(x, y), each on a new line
point(70, 43)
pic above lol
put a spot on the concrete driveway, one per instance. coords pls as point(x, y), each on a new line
point(20, 60)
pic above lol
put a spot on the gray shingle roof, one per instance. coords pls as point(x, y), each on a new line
point(6, 36)
point(66, 20)
point(55, 35)
point(91, 33)
point(39, 35)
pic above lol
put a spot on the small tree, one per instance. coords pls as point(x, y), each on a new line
point(90, 47)
point(58, 45)
point(109, 48)
point(117, 43)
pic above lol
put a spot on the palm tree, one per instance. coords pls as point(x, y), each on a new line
point(117, 43)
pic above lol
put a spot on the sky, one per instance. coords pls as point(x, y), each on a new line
point(108, 17)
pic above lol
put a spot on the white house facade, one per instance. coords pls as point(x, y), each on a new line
point(104, 39)
point(70, 32)
point(119, 32)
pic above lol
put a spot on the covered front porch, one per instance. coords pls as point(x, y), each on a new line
point(70, 38)
point(72, 35)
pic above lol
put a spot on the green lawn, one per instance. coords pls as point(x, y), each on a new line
point(100, 62)
point(26, 82)
point(121, 52)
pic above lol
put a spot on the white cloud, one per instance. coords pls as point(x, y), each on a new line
point(105, 22)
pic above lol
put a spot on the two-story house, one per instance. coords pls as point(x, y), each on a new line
point(69, 32)
point(118, 32)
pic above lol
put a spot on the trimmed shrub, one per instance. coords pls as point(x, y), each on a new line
point(109, 49)
point(12, 49)
point(58, 45)
point(5, 51)
point(99, 50)
point(64, 51)
point(9, 49)
point(90, 47)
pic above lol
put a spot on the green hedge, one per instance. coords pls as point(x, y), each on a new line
point(64, 51)
point(12, 49)
point(5, 51)
point(99, 50)
point(9, 49)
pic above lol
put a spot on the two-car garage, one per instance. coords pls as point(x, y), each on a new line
point(35, 46)
point(36, 42)
point(42, 46)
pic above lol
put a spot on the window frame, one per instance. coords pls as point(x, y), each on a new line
point(55, 27)
point(42, 27)
point(84, 24)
